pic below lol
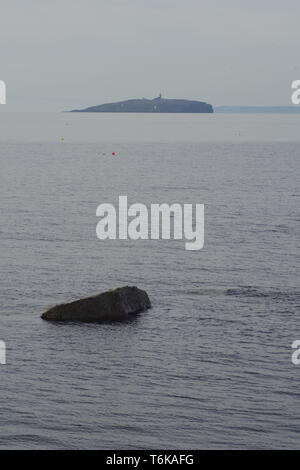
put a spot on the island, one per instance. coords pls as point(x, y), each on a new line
point(144, 105)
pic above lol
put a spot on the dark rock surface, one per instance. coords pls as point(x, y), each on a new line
point(158, 105)
point(114, 305)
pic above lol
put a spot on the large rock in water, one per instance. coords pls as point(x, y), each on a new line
point(114, 305)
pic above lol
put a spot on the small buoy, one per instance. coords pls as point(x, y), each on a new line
point(113, 153)
point(62, 139)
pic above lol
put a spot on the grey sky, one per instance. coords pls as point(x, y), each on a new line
point(62, 54)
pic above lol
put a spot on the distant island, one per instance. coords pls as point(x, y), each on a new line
point(157, 105)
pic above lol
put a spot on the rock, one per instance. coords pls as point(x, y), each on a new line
point(114, 305)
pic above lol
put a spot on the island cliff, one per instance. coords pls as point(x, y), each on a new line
point(157, 105)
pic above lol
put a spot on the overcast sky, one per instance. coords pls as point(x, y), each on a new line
point(62, 54)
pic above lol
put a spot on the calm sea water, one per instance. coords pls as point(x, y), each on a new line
point(210, 365)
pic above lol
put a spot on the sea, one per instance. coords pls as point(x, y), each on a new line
point(210, 365)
